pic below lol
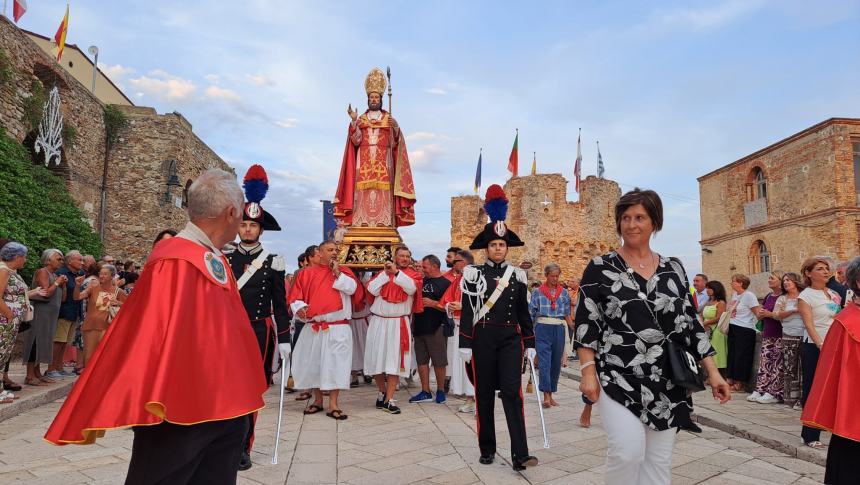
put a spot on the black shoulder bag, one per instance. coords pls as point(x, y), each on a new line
point(684, 371)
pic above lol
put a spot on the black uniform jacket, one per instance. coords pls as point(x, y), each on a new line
point(511, 308)
point(264, 295)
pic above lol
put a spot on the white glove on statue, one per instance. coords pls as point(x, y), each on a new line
point(285, 349)
point(466, 354)
point(531, 353)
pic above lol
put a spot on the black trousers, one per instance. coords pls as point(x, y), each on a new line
point(497, 357)
point(741, 341)
point(808, 362)
point(170, 454)
point(265, 338)
point(842, 456)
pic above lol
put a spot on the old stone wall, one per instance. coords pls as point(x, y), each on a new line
point(137, 176)
point(554, 229)
point(811, 204)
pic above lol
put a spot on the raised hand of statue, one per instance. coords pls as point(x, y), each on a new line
point(353, 113)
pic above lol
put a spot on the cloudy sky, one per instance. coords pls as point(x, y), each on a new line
point(672, 90)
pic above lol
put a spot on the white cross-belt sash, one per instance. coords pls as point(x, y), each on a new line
point(256, 264)
point(551, 320)
point(500, 287)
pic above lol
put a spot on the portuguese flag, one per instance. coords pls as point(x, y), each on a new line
point(513, 160)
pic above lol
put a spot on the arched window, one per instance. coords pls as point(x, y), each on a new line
point(185, 193)
point(759, 258)
point(760, 184)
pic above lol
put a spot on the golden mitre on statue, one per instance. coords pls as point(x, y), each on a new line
point(375, 82)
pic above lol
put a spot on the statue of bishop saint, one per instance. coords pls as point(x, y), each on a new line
point(375, 187)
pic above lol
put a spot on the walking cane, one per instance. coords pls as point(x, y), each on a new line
point(280, 414)
point(540, 406)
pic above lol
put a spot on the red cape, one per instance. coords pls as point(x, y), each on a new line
point(393, 293)
point(453, 294)
point(401, 183)
point(163, 356)
point(836, 387)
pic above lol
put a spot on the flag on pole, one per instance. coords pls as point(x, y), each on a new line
point(478, 173)
point(19, 7)
point(534, 164)
point(577, 168)
point(513, 160)
point(60, 36)
point(329, 223)
point(599, 162)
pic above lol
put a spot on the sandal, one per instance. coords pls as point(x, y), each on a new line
point(304, 396)
point(336, 414)
point(33, 382)
point(816, 445)
point(313, 409)
point(11, 386)
point(47, 380)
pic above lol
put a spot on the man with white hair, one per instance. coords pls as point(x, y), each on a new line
point(71, 314)
point(161, 367)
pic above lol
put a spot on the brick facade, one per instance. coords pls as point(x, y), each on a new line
point(810, 207)
point(554, 229)
point(136, 168)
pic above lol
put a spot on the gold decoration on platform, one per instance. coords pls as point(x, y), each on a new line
point(368, 248)
point(375, 82)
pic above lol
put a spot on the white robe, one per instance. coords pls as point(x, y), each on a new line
point(358, 324)
point(382, 350)
point(460, 384)
point(323, 359)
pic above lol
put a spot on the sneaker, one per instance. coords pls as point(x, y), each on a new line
point(380, 400)
point(423, 396)
point(767, 399)
point(54, 374)
point(754, 397)
point(390, 408)
point(797, 406)
point(69, 373)
point(468, 407)
point(354, 383)
point(440, 396)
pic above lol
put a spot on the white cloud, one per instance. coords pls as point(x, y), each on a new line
point(214, 92)
point(422, 136)
point(437, 91)
point(289, 175)
point(212, 78)
point(259, 80)
point(288, 123)
point(163, 86)
point(422, 157)
point(706, 17)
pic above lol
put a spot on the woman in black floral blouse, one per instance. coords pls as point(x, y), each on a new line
point(630, 302)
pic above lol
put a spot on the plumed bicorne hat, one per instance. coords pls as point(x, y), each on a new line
point(256, 184)
point(496, 206)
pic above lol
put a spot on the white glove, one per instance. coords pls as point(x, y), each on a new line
point(285, 349)
point(466, 354)
point(531, 353)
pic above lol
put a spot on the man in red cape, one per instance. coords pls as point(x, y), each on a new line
point(161, 369)
point(388, 351)
point(322, 296)
point(375, 178)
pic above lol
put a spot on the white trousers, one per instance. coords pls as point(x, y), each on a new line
point(460, 384)
point(359, 337)
point(637, 455)
point(323, 359)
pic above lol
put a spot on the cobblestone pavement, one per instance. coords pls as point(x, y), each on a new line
point(428, 443)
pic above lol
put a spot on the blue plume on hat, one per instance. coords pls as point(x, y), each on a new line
point(496, 204)
point(256, 184)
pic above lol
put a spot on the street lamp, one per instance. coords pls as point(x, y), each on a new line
point(94, 51)
point(172, 181)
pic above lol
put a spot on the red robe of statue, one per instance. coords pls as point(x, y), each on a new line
point(163, 356)
point(374, 174)
point(836, 387)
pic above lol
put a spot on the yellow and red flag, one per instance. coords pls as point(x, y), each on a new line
point(60, 36)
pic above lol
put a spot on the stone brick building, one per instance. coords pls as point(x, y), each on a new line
point(154, 150)
point(554, 229)
point(791, 200)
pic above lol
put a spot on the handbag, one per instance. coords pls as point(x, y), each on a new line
point(112, 309)
point(684, 371)
point(726, 319)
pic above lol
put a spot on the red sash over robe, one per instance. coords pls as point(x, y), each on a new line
point(453, 295)
point(836, 387)
point(162, 359)
point(313, 285)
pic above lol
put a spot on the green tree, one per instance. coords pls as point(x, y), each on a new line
point(36, 208)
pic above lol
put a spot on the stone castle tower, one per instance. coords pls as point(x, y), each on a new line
point(554, 229)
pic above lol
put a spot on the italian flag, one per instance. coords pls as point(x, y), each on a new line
point(513, 160)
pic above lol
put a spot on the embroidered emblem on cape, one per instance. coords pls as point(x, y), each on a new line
point(253, 210)
point(215, 267)
point(500, 229)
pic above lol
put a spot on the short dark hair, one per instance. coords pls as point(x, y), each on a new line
point(648, 199)
point(453, 249)
point(852, 274)
point(466, 255)
point(402, 247)
point(432, 259)
point(327, 241)
point(703, 276)
point(166, 232)
point(127, 265)
point(309, 252)
point(302, 258)
point(718, 289)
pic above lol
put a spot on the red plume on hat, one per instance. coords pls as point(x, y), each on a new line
point(256, 185)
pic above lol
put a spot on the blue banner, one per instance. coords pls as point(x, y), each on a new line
point(329, 224)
